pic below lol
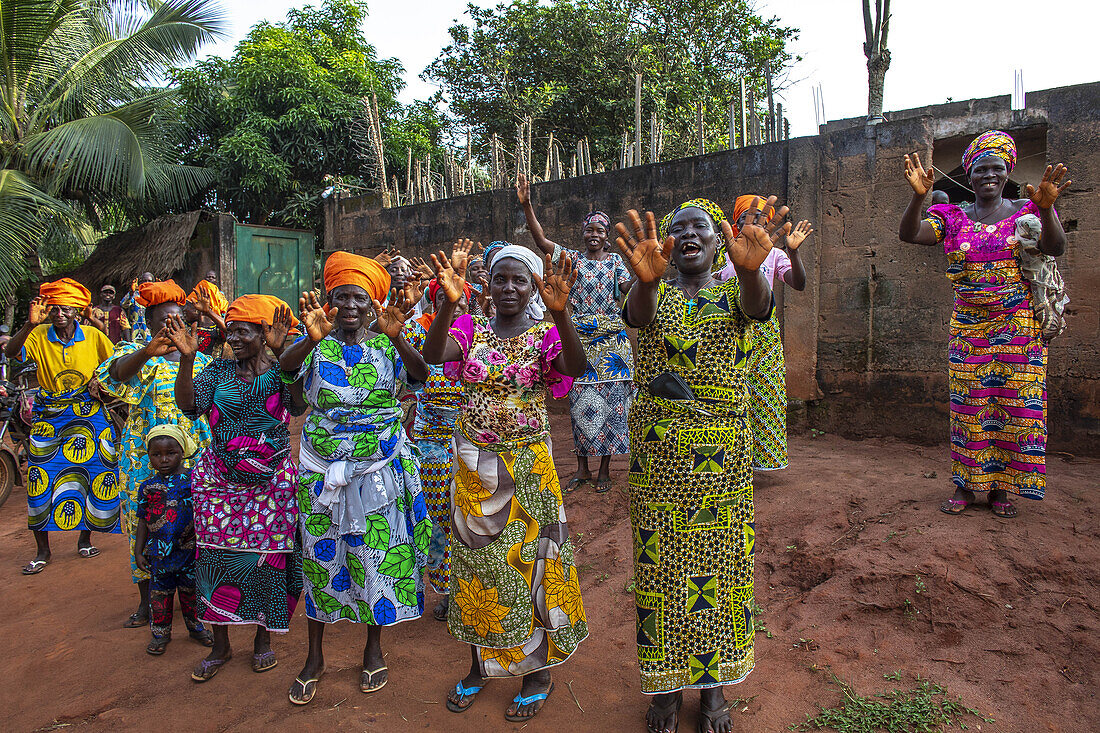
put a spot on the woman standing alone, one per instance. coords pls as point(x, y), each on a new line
point(997, 359)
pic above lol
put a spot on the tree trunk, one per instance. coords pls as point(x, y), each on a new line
point(876, 82)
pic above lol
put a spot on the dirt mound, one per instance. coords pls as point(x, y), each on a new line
point(857, 574)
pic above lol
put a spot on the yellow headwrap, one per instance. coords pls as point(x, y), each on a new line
point(181, 436)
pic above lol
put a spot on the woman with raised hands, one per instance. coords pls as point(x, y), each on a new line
point(363, 520)
point(248, 569)
point(690, 476)
point(997, 357)
point(143, 375)
point(515, 595)
point(599, 401)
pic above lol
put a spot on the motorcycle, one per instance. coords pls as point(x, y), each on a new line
point(16, 406)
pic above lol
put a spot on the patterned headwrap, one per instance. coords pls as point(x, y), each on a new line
point(992, 142)
point(491, 250)
point(716, 214)
point(742, 204)
point(598, 217)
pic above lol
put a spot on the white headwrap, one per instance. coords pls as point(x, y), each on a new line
point(533, 263)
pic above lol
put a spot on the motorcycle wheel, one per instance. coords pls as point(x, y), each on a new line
point(8, 468)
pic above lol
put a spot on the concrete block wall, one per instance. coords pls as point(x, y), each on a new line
point(866, 342)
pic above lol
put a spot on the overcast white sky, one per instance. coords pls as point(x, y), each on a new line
point(940, 48)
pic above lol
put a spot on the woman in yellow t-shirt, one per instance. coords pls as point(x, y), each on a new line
point(72, 479)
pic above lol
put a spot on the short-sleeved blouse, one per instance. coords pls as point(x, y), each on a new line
point(439, 401)
point(506, 380)
point(600, 284)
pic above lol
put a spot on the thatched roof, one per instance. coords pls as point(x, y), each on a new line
point(158, 247)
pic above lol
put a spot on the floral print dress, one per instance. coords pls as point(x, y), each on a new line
point(363, 557)
point(515, 593)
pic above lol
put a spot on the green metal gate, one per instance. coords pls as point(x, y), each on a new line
point(274, 261)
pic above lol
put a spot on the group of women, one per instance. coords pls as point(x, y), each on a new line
point(471, 495)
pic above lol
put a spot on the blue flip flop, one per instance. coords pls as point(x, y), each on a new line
point(530, 699)
point(463, 692)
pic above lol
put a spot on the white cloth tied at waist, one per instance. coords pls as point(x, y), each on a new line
point(353, 489)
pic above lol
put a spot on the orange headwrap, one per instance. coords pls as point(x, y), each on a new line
point(66, 291)
point(258, 309)
point(155, 293)
point(344, 268)
point(209, 292)
point(742, 204)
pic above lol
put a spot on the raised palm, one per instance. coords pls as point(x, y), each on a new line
point(392, 317)
point(275, 332)
point(311, 313)
point(646, 254)
point(186, 340)
point(460, 256)
point(386, 256)
point(758, 235)
point(920, 179)
point(39, 311)
point(1049, 188)
point(798, 234)
point(559, 280)
point(161, 344)
point(451, 282)
point(523, 189)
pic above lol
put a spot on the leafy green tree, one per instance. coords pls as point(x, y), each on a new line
point(570, 64)
point(85, 125)
point(285, 115)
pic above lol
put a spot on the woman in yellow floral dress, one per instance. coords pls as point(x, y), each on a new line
point(515, 596)
point(690, 475)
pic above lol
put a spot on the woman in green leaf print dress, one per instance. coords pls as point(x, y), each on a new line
point(363, 519)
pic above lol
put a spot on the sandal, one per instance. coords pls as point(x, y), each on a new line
point(954, 506)
point(666, 711)
point(574, 484)
point(463, 692)
point(302, 691)
point(439, 613)
point(709, 717)
point(203, 637)
point(1003, 509)
point(603, 485)
point(158, 645)
point(520, 701)
point(264, 661)
point(90, 551)
point(136, 621)
point(366, 679)
point(34, 567)
point(207, 668)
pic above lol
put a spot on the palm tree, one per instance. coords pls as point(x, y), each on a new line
point(86, 124)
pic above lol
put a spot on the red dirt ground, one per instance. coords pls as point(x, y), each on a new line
point(1004, 615)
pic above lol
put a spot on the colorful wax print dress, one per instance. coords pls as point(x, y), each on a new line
point(515, 593)
point(151, 396)
point(997, 360)
point(72, 476)
point(249, 564)
point(691, 504)
point(438, 405)
point(139, 331)
point(600, 399)
point(364, 524)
